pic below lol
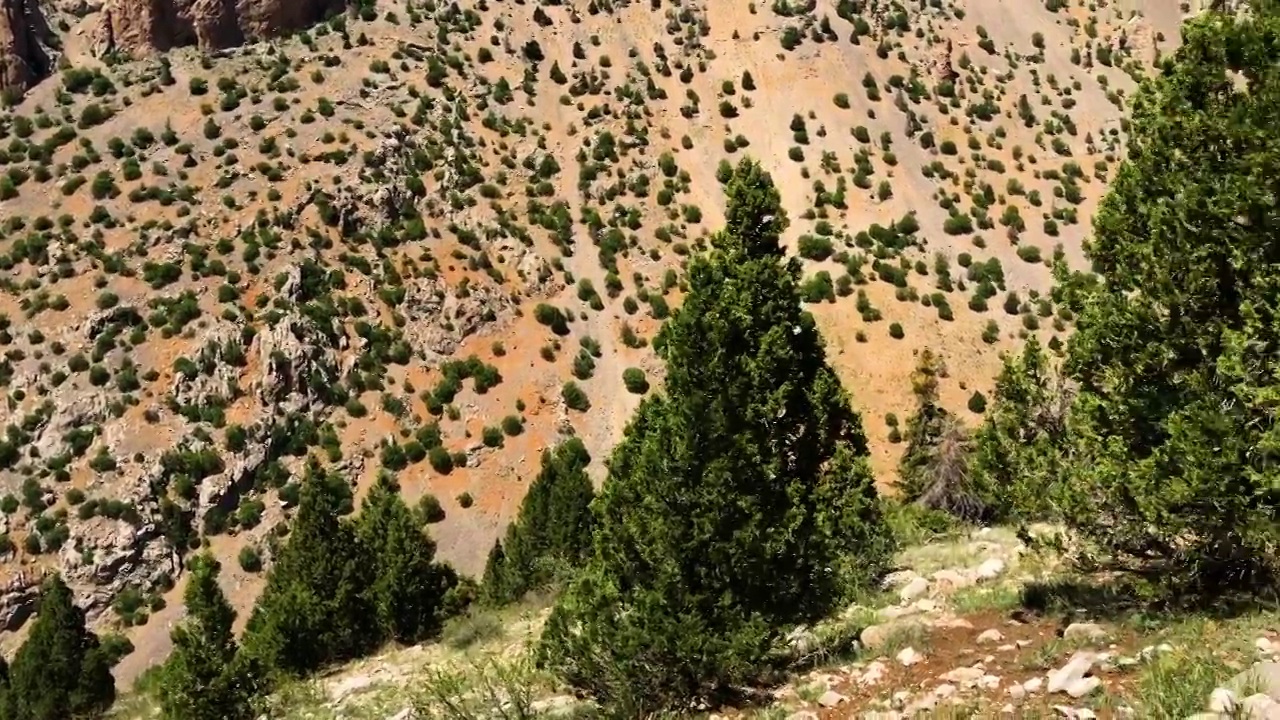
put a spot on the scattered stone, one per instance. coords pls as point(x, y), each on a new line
point(1071, 678)
point(831, 698)
point(1016, 691)
point(925, 605)
point(556, 705)
point(948, 581)
point(1262, 678)
point(874, 673)
point(1260, 707)
point(1222, 700)
point(876, 636)
point(944, 691)
point(1091, 632)
point(964, 675)
point(988, 682)
point(1264, 646)
point(989, 570)
point(405, 714)
point(803, 715)
point(990, 636)
point(909, 657)
point(914, 589)
point(925, 704)
point(1033, 685)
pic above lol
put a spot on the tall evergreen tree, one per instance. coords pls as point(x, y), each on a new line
point(315, 609)
point(1176, 448)
point(204, 678)
point(738, 502)
point(552, 531)
point(61, 670)
point(1016, 466)
point(408, 584)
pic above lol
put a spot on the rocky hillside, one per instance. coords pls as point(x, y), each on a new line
point(437, 237)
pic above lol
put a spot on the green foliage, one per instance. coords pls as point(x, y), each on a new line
point(315, 609)
point(925, 428)
point(61, 671)
point(738, 503)
point(408, 585)
point(1174, 434)
point(552, 532)
point(1015, 466)
point(205, 678)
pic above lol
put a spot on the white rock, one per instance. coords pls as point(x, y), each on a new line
point(1033, 685)
point(1222, 700)
point(989, 570)
point(990, 636)
point(924, 704)
point(831, 698)
point(913, 589)
point(948, 581)
point(1260, 707)
point(909, 657)
point(803, 715)
point(1262, 677)
point(1083, 686)
point(989, 682)
point(964, 675)
point(405, 714)
point(1091, 632)
point(1264, 645)
point(1016, 691)
point(874, 674)
point(925, 605)
point(1007, 709)
point(944, 691)
point(1073, 672)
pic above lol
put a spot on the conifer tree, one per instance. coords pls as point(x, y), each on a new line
point(315, 609)
point(925, 428)
point(61, 670)
point(739, 501)
point(204, 678)
point(1016, 462)
point(1174, 435)
point(409, 585)
point(552, 531)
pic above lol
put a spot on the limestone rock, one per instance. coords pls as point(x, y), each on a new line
point(874, 637)
point(1072, 677)
point(989, 636)
point(831, 698)
point(914, 589)
point(1262, 678)
point(23, 59)
point(150, 25)
point(1090, 632)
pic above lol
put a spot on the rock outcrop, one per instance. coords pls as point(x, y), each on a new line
point(146, 25)
point(23, 59)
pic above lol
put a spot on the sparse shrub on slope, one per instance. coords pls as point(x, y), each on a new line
point(552, 533)
point(1174, 434)
point(739, 501)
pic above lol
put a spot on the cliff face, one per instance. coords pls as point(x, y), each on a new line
point(143, 25)
point(22, 58)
